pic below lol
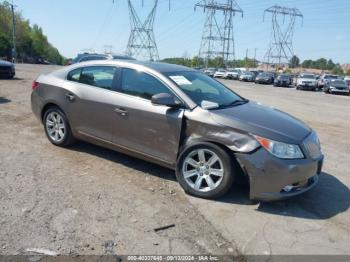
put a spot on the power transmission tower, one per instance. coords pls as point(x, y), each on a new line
point(218, 37)
point(142, 42)
point(281, 44)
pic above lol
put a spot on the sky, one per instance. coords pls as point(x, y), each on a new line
point(73, 26)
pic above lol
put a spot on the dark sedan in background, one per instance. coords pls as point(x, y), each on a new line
point(7, 69)
point(336, 86)
point(283, 80)
point(265, 78)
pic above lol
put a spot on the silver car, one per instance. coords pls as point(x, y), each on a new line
point(182, 119)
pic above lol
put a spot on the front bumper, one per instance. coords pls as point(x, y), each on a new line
point(263, 81)
point(272, 178)
point(339, 91)
point(307, 87)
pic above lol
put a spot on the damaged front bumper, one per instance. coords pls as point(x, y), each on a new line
point(272, 178)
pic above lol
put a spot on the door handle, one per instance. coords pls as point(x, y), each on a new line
point(70, 97)
point(121, 111)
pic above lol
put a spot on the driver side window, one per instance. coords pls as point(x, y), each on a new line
point(141, 84)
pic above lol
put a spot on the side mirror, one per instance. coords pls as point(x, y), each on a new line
point(165, 99)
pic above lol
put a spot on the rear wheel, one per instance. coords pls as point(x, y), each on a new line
point(205, 170)
point(57, 127)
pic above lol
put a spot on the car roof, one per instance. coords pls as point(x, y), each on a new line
point(155, 66)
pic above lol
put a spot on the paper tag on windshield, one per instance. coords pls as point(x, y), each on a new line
point(180, 80)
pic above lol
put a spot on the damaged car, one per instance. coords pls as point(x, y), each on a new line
point(181, 119)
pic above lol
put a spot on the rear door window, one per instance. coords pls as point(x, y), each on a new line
point(99, 76)
point(74, 75)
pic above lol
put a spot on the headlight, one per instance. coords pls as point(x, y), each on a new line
point(279, 149)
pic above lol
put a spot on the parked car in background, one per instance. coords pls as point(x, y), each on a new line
point(283, 80)
point(211, 132)
point(247, 76)
point(264, 78)
point(232, 74)
point(347, 80)
point(210, 71)
point(7, 69)
point(220, 73)
point(324, 79)
point(336, 86)
point(122, 57)
point(90, 57)
point(306, 82)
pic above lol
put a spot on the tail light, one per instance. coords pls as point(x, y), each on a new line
point(35, 85)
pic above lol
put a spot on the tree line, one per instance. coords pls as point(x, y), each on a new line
point(321, 63)
point(31, 43)
point(218, 62)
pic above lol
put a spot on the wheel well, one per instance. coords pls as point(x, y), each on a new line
point(243, 177)
point(46, 107)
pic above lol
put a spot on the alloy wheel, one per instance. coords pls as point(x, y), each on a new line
point(203, 170)
point(55, 127)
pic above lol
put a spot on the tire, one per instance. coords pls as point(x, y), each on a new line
point(196, 184)
point(298, 88)
point(57, 128)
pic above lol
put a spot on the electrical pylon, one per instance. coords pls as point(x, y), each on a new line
point(280, 50)
point(218, 38)
point(142, 43)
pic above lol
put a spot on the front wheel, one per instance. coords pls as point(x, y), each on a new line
point(205, 170)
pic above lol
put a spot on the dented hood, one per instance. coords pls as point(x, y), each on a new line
point(263, 121)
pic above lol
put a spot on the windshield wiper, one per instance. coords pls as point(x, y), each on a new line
point(235, 103)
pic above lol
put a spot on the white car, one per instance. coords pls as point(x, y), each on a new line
point(247, 76)
point(307, 82)
point(220, 73)
point(232, 74)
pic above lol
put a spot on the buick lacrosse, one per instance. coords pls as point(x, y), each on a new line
point(182, 119)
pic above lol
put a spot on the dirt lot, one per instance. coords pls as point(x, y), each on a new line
point(89, 200)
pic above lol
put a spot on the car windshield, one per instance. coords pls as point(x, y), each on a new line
point(308, 76)
point(330, 77)
point(339, 83)
point(201, 88)
point(284, 77)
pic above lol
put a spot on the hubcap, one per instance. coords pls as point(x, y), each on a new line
point(55, 127)
point(203, 170)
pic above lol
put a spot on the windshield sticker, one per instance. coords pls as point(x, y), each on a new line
point(180, 80)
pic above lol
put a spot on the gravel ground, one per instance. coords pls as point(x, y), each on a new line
point(90, 200)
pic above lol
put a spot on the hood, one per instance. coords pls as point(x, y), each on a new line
point(5, 63)
point(263, 121)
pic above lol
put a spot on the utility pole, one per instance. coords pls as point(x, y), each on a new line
point(14, 51)
point(246, 58)
point(217, 37)
point(283, 24)
point(255, 63)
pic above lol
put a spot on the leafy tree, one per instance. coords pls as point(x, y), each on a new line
point(31, 42)
point(5, 46)
point(294, 62)
point(337, 70)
